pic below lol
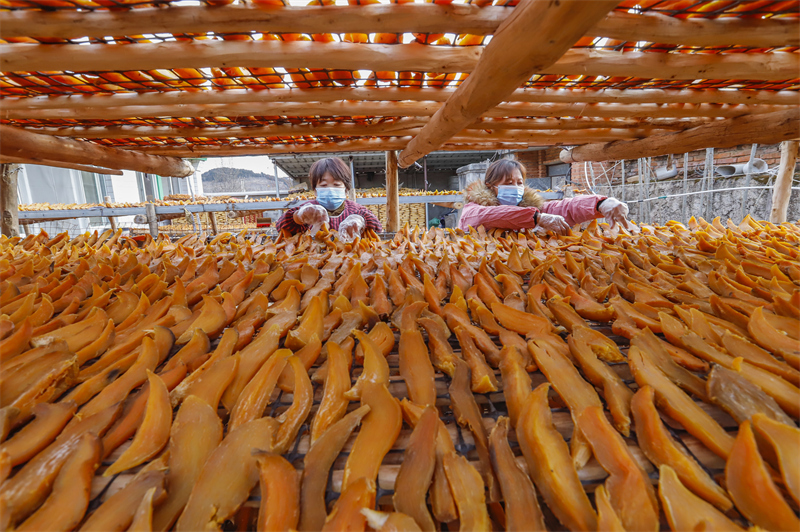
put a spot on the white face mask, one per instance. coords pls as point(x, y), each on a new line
point(510, 194)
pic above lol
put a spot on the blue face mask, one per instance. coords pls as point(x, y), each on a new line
point(330, 198)
point(509, 194)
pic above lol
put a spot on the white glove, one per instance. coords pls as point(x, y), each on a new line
point(311, 214)
point(351, 227)
point(552, 222)
point(615, 212)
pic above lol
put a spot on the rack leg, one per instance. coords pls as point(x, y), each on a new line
point(152, 220)
point(9, 203)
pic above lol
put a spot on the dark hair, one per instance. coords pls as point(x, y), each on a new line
point(331, 165)
point(498, 171)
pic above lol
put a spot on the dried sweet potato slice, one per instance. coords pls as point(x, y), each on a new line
point(256, 395)
point(784, 439)
point(416, 368)
point(346, 513)
point(660, 448)
point(317, 464)
point(280, 493)
point(516, 381)
point(333, 404)
point(377, 435)
point(773, 340)
point(117, 512)
point(521, 505)
point(302, 400)
point(482, 377)
point(310, 324)
point(687, 511)
point(143, 518)
point(550, 465)
point(39, 433)
point(741, 398)
point(66, 505)
point(751, 487)
point(390, 522)
point(468, 492)
point(228, 475)
point(197, 346)
point(520, 322)
point(416, 471)
point(759, 357)
point(383, 336)
point(648, 342)
point(442, 355)
point(607, 518)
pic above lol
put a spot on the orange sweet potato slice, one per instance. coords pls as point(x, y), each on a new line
point(390, 522)
point(256, 395)
point(520, 322)
point(516, 381)
point(607, 518)
point(280, 493)
point(227, 477)
point(376, 368)
point(759, 357)
point(458, 318)
point(482, 377)
point(442, 355)
point(64, 508)
point(647, 342)
point(316, 467)
point(773, 340)
point(628, 486)
point(740, 398)
point(39, 433)
point(302, 399)
point(117, 512)
point(660, 448)
point(333, 404)
point(521, 505)
point(143, 518)
point(751, 487)
point(687, 511)
point(784, 439)
point(416, 471)
point(550, 465)
point(347, 512)
point(377, 435)
point(588, 308)
point(310, 324)
point(468, 492)
point(253, 357)
point(416, 368)
point(678, 405)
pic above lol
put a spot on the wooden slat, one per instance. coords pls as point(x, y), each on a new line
point(394, 109)
point(400, 18)
point(385, 57)
point(332, 94)
point(768, 128)
point(60, 164)
point(16, 142)
point(392, 193)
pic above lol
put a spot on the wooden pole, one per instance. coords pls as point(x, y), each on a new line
point(782, 190)
point(152, 219)
point(421, 94)
point(392, 193)
point(111, 219)
point(768, 128)
point(396, 18)
point(212, 216)
point(9, 203)
point(397, 57)
point(16, 142)
point(58, 164)
point(529, 41)
point(394, 109)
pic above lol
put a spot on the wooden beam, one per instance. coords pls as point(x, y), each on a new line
point(365, 145)
point(392, 109)
point(400, 18)
point(782, 190)
point(531, 39)
point(59, 164)
point(392, 193)
point(767, 128)
point(332, 94)
point(16, 142)
point(9, 203)
point(385, 57)
point(398, 128)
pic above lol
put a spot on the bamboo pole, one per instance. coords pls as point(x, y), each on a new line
point(766, 128)
point(782, 190)
point(410, 18)
point(392, 193)
point(389, 128)
point(531, 39)
point(391, 57)
point(393, 109)
point(332, 94)
point(16, 142)
point(111, 219)
point(9, 203)
point(59, 164)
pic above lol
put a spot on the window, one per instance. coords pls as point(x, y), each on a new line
point(560, 169)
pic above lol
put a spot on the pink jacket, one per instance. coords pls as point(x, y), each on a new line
point(483, 209)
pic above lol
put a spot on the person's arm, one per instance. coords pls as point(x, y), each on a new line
point(286, 222)
point(575, 210)
point(371, 220)
point(497, 217)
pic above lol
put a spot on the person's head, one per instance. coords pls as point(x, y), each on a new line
point(504, 172)
point(331, 179)
point(331, 172)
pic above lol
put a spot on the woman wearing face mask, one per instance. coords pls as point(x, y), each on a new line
point(503, 201)
point(330, 178)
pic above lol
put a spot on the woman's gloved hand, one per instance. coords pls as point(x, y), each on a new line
point(615, 212)
point(552, 222)
point(311, 214)
point(352, 227)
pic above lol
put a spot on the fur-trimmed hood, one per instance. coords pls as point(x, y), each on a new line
point(478, 192)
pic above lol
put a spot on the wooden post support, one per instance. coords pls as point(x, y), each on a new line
point(392, 193)
point(111, 219)
point(9, 224)
point(533, 37)
point(352, 195)
point(782, 190)
point(213, 219)
point(152, 219)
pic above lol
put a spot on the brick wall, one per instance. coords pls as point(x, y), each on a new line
point(536, 162)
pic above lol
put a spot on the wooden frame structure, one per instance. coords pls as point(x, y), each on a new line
point(612, 77)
